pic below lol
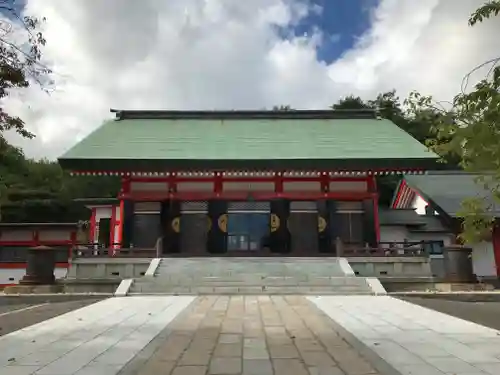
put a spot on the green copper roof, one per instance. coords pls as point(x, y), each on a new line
point(178, 137)
point(447, 190)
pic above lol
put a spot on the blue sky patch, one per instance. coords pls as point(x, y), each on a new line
point(341, 21)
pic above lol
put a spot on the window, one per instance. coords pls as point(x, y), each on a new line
point(434, 247)
point(350, 219)
point(351, 227)
point(247, 231)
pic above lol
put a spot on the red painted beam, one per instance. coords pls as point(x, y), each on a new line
point(244, 179)
point(243, 195)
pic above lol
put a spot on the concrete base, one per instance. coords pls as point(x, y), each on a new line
point(474, 296)
point(426, 284)
point(33, 289)
point(90, 285)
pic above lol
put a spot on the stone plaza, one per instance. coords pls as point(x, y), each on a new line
point(251, 335)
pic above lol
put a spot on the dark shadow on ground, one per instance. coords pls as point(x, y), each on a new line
point(484, 313)
point(12, 318)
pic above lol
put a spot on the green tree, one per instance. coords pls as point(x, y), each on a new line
point(470, 129)
point(19, 67)
point(491, 8)
point(351, 102)
point(20, 63)
point(282, 107)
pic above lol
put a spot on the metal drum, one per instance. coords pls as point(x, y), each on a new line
point(40, 266)
point(458, 264)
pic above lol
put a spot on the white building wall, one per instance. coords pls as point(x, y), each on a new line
point(13, 275)
point(483, 260)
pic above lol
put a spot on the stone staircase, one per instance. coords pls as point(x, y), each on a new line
point(253, 276)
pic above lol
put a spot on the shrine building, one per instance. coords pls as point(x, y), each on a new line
point(245, 183)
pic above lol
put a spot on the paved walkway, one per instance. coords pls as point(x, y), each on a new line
point(94, 340)
point(252, 335)
point(413, 339)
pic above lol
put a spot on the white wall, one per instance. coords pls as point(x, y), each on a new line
point(483, 259)
point(13, 275)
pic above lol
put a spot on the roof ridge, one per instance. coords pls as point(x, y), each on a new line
point(449, 172)
point(245, 114)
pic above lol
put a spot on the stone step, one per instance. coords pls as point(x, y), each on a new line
point(158, 289)
point(271, 281)
point(250, 266)
point(252, 276)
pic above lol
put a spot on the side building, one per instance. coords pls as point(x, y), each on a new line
point(439, 195)
point(246, 183)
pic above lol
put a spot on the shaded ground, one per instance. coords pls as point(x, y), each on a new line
point(17, 314)
point(484, 313)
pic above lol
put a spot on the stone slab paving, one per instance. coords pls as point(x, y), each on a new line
point(17, 316)
point(97, 339)
point(413, 339)
point(250, 335)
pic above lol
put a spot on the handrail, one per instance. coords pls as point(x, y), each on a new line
point(382, 249)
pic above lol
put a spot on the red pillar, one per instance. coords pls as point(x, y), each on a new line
point(372, 188)
point(92, 229)
point(125, 190)
point(496, 246)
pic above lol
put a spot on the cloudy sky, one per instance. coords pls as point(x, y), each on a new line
point(235, 54)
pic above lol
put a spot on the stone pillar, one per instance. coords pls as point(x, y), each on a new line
point(280, 238)
point(217, 233)
point(128, 223)
point(170, 222)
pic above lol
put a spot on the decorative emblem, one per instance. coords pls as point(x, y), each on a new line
point(222, 222)
point(275, 222)
point(321, 224)
point(176, 225)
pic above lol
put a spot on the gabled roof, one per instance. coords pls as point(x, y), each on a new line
point(399, 217)
point(447, 190)
point(410, 219)
point(163, 140)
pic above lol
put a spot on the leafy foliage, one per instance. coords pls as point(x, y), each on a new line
point(389, 106)
point(469, 131)
point(285, 108)
point(491, 8)
point(40, 191)
point(19, 62)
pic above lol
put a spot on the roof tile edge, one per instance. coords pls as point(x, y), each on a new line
point(244, 114)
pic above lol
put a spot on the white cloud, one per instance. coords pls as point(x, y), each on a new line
point(220, 54)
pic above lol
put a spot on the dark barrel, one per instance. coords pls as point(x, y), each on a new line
point(40, 266)
point(458, 264)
